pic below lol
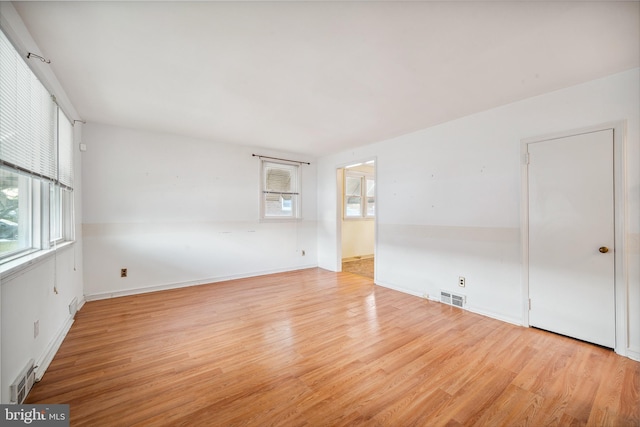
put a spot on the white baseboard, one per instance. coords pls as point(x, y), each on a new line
point(400, 289)
point(632, 354)
point(45, 359)
point(430, 297)
point(147, 289)
point(507, 319)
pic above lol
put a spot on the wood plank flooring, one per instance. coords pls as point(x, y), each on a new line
point(315, 348)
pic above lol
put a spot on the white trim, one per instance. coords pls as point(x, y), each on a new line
point(17, 267)
point(633, 354)
point(507, 319)
point(480, 312)
point(620, 226)
point(50, 351)
point(400, 289)
point(52, 348)
point(177, 285)
point(376, 223)
point(340, 197)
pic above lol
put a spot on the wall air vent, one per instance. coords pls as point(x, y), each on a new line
point(22, 385)
point(450, 298)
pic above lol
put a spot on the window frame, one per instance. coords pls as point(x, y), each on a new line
point(24, 215)
point(295, 190)
point(365, 190)
point(364, 202)
point(57, 212)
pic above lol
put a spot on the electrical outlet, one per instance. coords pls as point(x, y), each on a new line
point(461, 282)
point(36, 329)
point(123, 272)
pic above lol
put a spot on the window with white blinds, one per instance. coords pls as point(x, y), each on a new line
point(36, 161)
point(280, 190)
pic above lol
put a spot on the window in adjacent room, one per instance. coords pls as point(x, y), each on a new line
point(280, 190)
point(359, 195)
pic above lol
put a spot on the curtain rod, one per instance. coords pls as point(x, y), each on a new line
point(276, 158)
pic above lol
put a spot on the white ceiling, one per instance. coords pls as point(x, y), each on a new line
point(321, 77)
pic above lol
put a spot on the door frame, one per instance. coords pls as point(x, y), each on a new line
point(339, 208)
point(620, 224)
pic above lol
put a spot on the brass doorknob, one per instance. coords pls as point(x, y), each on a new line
point(603, 249)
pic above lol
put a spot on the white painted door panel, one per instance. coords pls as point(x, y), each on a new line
point(571, 216)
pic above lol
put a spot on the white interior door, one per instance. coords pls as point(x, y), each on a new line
point(571, 236)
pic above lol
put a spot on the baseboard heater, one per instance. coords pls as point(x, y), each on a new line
point(22, 385)
point(450, 298)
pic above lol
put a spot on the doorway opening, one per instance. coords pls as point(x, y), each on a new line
point(357, 217)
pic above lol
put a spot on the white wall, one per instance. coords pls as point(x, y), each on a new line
point(448, 198)
point(29, 297)
point(358, 238)
point(178, 211)
point(27, 294)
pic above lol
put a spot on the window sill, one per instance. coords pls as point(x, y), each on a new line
point(15, 267)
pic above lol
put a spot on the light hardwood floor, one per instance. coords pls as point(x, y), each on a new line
point(315, 348)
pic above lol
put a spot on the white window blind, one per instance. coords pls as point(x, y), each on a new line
point(36, 162)
point(27, 117)
point(280, 190)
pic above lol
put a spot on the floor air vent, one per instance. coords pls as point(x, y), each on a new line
point(21, 386)
point(450, 298)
